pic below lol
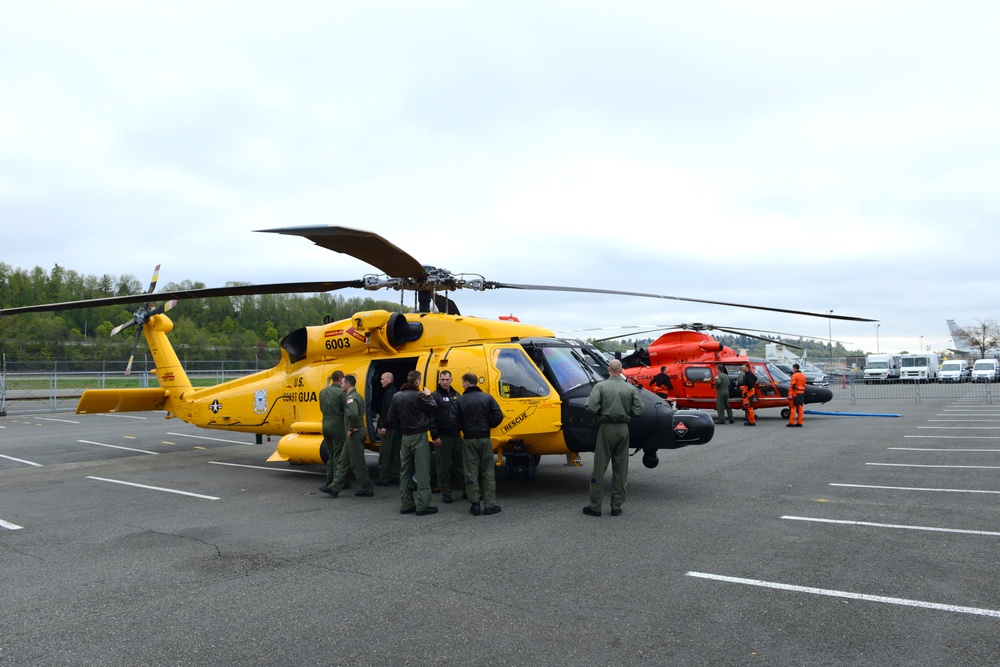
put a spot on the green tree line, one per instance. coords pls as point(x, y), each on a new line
point(220, 328)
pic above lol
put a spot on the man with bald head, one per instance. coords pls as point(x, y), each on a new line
point(613, 402)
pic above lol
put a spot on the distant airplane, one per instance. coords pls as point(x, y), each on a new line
point(963, 346)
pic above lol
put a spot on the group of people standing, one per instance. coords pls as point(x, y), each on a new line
point(459, 428)
point(747, 383)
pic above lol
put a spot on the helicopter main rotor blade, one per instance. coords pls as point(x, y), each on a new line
point(766, 340)
point(586, 290)
point(239, 290)
point(367, 246)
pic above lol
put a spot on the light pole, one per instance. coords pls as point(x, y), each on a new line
point(921, 348)
point(878, 350)
point(829, 322)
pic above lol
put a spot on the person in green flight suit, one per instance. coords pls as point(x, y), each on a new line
point(722, 383)
point(331, 404)
point(614, 402)
point(353, 456)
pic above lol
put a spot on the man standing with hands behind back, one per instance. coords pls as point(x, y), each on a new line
point(614, 402)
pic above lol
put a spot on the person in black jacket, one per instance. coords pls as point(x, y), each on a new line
point(475, 413)
point(449, 454)
point(414, 410)
point(390, 437)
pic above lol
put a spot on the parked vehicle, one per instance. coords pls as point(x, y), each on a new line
point(918, 367)
point(882, 368)
point(817, 378)
point(986, 370)
point(955, 370)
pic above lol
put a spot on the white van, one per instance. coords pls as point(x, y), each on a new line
point(954, 370)
point(986, 370)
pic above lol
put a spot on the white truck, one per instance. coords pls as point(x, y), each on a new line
point(918, 367)
point(881, 368)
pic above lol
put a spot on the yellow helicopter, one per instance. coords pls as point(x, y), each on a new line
point(540, 381)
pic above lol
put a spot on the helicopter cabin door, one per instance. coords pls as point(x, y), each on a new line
point(766, 387)
point(374, 393)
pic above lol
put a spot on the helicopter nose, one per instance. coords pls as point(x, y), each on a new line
point(661, 427)
point(816, 394)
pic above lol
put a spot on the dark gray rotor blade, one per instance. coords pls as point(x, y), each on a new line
point(240, 290)
point(586, 290)
point(766, 340)
point(367, 246)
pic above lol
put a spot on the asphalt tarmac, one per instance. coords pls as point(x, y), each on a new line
point(135, 540)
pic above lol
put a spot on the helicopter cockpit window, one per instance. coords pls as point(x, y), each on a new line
point(519, 378)
point(571, 367)
point(698, 374)
point(778, 373)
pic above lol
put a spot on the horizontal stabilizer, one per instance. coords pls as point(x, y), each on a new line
point(121, 400)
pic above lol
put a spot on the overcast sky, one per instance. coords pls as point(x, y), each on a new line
point(820, 156)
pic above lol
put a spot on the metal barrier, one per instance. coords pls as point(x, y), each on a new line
point(59, 391)
point(915, 391)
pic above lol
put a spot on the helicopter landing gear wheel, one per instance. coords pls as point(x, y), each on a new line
point(785, 412)
point(520, 464)
point(649, 458)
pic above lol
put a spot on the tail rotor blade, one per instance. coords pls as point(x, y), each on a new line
point(131, 357)
point(120, 327)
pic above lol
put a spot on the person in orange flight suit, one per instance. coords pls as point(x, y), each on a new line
point(748, 388)
point(796, 397)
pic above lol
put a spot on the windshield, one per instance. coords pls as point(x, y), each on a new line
point(570, 367)
point(877, 365)
point(983, 366)
point(914, 362)
point(777, 374)
point(951, 367)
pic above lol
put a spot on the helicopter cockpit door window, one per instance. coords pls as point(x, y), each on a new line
point(697, 375)
point(519, 378)
point(765, 386)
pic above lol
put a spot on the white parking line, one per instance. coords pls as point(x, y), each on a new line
point(205, 437)
point(50, 419)
point(117, 416)
point(8, 525)
point(922, 465)
point(956, 437)
point(974, 428)
point(966, 421)
point(893, 525)
point(101, 444)
point(911, 488)
point(851, 596)
point(154, 488)
point(929, 449)
point(11, 458)
point(243, 465)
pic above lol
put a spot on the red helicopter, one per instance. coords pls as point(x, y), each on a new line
point(681, 366)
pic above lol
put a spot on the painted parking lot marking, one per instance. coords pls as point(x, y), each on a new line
point(52, 419)
point(932, 449)
point(893, 525)
point(925, 465)
point(912, 488)
point(848, 595)
point(8, 525)
point(154, 488)
point(205, 437)
point(243, 465)
point(102, 444)
point(11, 458)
